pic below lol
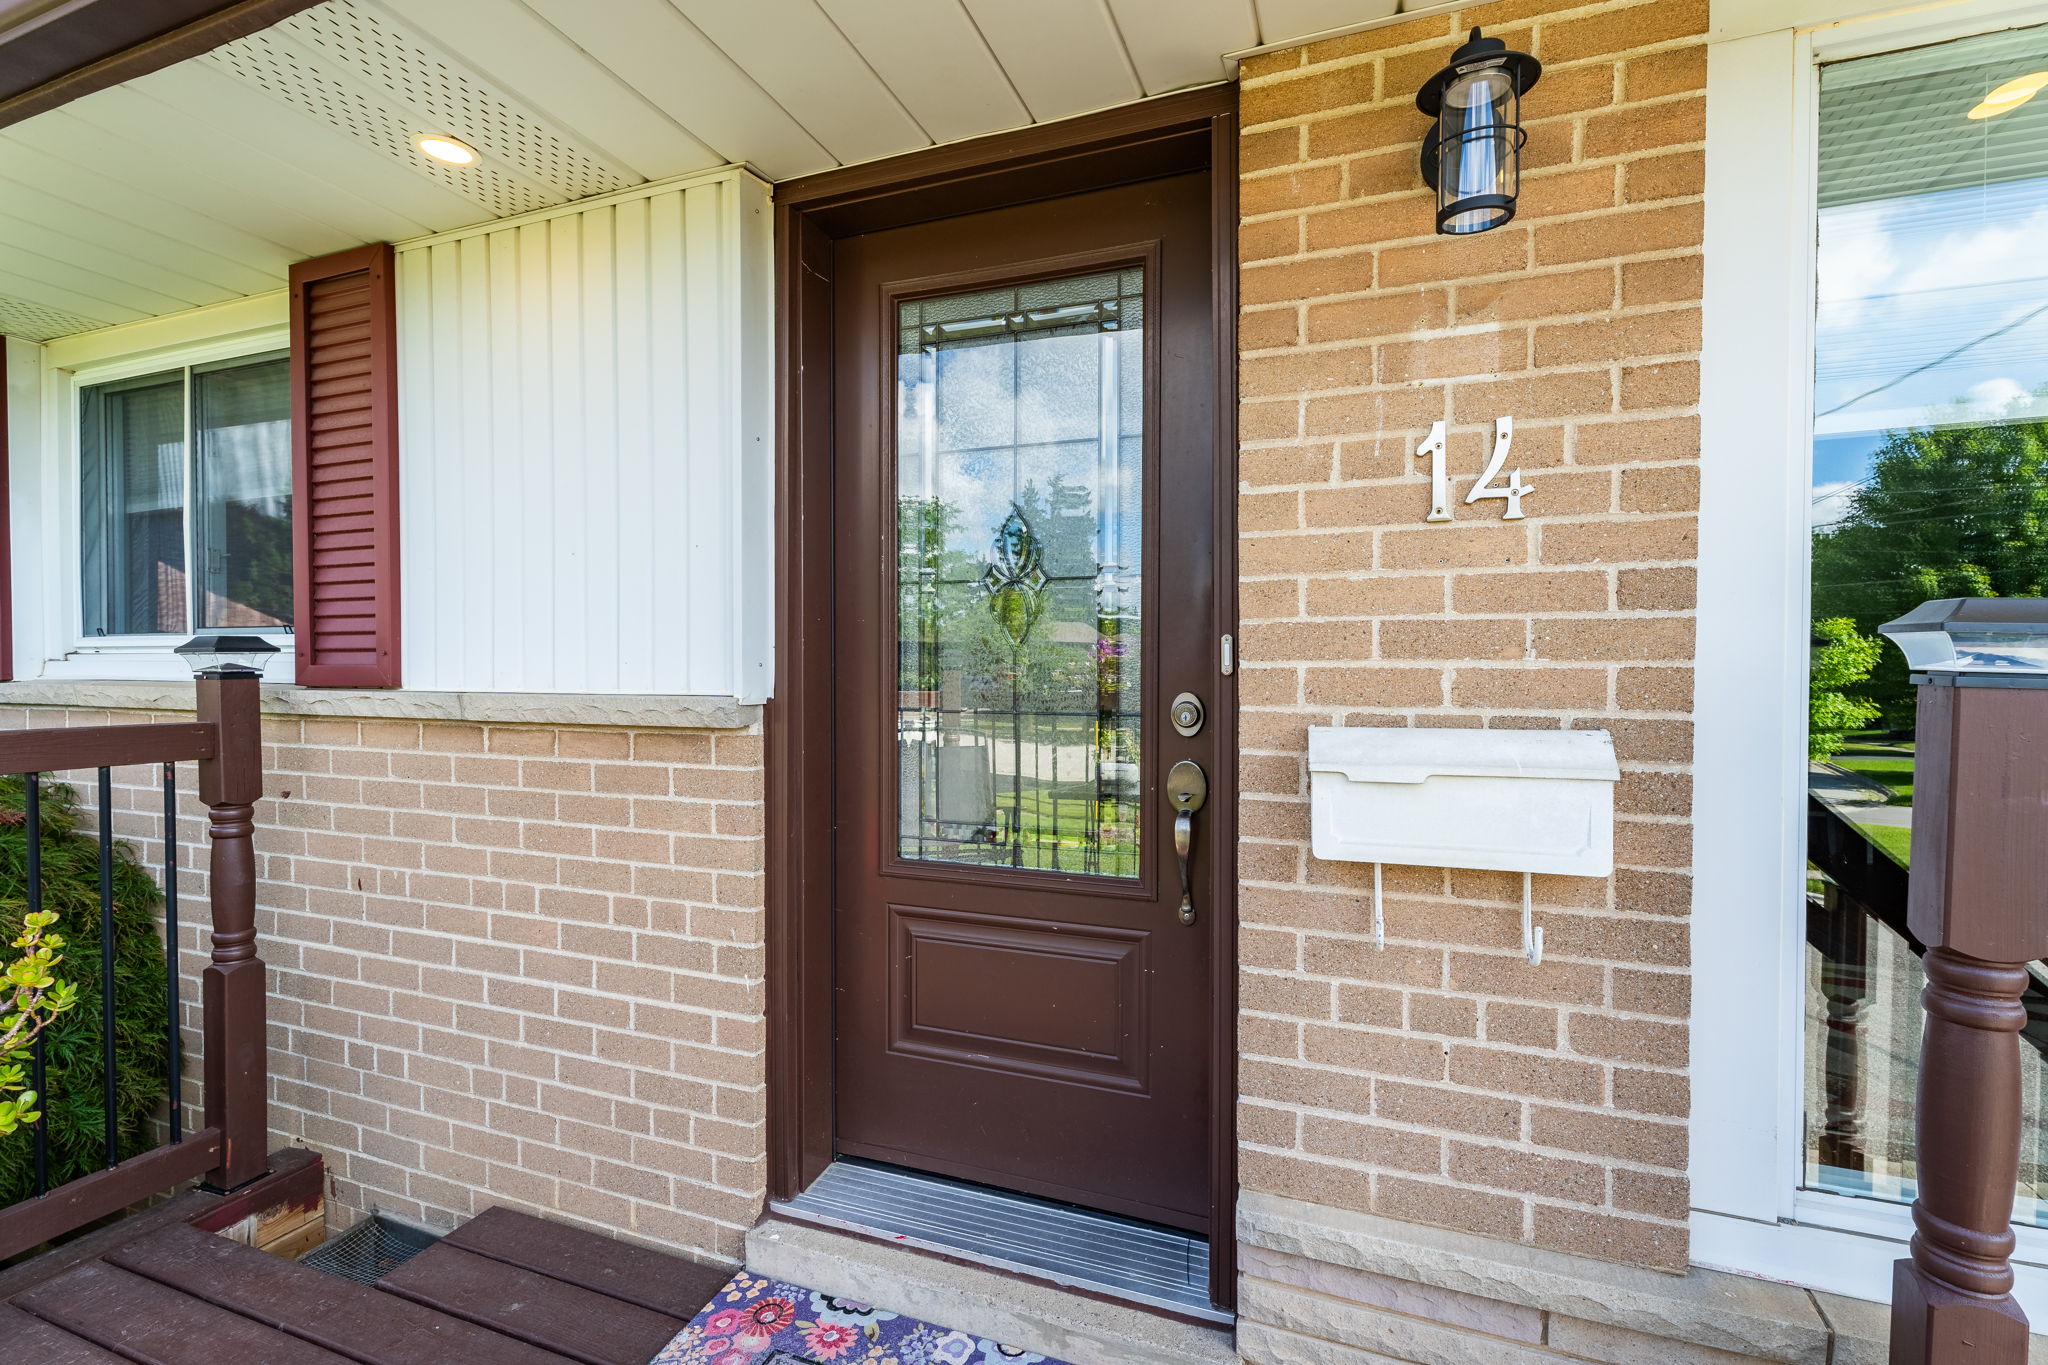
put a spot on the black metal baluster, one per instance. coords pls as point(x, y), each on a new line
point(113, 1137)
point(34, 793)
point(171, 948)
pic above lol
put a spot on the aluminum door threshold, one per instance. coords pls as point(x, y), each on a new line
point(1100, 1253)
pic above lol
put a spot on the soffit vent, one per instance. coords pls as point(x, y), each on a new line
point(34, 322)
point(372, 82)
point(385, 55)
point(275, 67)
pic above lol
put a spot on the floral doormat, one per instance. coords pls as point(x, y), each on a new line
point(755, 1321)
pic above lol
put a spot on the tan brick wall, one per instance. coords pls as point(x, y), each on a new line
point(508, 965)
point(1444, 1080)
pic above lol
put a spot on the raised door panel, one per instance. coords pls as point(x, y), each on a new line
point(1064, 1001)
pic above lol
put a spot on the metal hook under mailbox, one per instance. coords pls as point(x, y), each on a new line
point(1379, 920)
point(1532, 937)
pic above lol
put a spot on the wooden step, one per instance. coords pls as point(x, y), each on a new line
point(47, 1344)
point(153, 1324)
point(366, 1325)
point(583, 1324)
point(652, 1279)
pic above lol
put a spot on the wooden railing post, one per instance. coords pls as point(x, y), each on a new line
point(233, 990)
point(1979, 900)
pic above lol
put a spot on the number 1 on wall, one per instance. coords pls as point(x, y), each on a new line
point(1439, 482)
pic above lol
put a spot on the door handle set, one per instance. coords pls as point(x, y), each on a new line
point(1187, 788)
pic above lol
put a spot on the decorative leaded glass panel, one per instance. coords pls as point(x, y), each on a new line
point(1020, 549)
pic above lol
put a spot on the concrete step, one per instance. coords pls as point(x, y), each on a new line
point(1034, 1317)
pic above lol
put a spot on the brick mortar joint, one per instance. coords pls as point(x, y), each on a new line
point(1403, 1172)
point(1624, 104)
point(1564, 12)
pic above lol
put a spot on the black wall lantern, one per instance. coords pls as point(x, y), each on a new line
point(1472, 155)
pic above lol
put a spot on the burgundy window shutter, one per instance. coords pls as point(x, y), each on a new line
point(345, 468)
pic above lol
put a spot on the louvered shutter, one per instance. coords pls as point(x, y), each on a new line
point(345, 468)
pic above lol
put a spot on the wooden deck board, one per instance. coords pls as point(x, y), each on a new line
point(576, 1322)
point(652, 1279)
point(154, 1324)
point(46, 1343)
point(355, 1320)
point(54, 1261)
point(506, 1289)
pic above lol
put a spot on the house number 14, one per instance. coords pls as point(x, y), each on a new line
point(1512, 492)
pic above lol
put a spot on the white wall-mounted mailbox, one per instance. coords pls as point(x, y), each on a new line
point(1509, 800)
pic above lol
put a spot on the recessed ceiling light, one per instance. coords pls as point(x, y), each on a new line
point(2011, 95)
point(461, 153)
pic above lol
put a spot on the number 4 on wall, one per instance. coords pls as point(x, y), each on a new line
point(1512, 492)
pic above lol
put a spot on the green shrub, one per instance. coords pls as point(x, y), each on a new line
point(72, 1097)
point(31, 998)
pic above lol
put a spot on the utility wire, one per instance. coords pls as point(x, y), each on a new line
point(2015, 324)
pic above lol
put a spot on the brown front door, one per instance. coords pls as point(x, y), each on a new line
point(1025, 494)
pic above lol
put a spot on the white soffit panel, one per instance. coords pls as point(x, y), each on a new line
point(361, 38)
point(936, 61)
point(204, 181)
point(1064, 56)
point(97, 220)
point(1282, 20)
point(665, 57)
point(1177, 43)
point(566, 86)
point(201, 105)
point(33, 322)
point(231, 135)
point(139, 173)
point(83, 288)
point(799, 57)
point(346, 65)
point(18, 230)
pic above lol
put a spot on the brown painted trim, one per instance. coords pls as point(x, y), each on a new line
point(58, 748)
point(88, 45)
point(6, 530)
point(1164, 136)
point(1133, 142)
point(914, 172)
point(799, 718)
point(297, 1180)
point(1224, 823)
point(35, 1221)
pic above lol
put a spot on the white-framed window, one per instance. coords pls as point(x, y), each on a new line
point(154, 498)
point(1874, 391)
point(185, 500)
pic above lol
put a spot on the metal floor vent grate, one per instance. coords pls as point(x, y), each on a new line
point(370, 1250)
point(1140, 1262)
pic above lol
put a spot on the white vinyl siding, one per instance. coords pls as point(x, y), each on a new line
point(584, 436)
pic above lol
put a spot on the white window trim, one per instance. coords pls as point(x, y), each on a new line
point(52, 645)
point(1749, 1214)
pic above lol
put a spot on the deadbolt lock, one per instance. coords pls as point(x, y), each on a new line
point(1187, 714)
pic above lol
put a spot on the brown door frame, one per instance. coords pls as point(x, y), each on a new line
point(1172, 134)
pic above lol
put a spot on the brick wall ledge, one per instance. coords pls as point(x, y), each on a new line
point(609, 709)
point(1408, 1292)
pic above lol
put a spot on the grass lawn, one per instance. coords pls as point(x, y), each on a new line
point(1890, 765)
point(1896, 842)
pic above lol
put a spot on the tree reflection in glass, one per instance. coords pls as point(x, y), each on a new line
point(1019, 454)
point(1930, 451)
